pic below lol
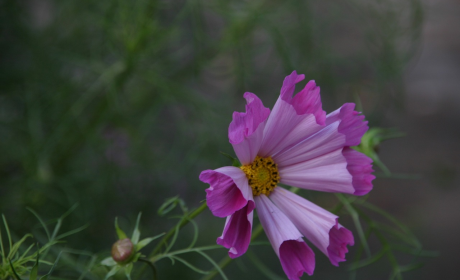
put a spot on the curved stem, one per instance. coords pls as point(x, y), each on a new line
point(182, 223)
point(171, 232)
point(152, 266)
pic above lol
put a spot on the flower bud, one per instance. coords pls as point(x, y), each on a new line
point(122, 250)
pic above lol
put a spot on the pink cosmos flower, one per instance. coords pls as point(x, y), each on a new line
point(295, 144)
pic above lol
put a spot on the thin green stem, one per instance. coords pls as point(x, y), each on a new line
point(182, 223)
point(152, 266)
point(171, 232)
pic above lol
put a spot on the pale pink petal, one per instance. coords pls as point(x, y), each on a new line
point(292, 118)
point(295, 255)
point(327, 173)
point(246, 130)
point(237, 231)
point(352, 124)
point(339, 238)
point(319, 226)
point(322, 142)
point(228, 190)
point(360, 167)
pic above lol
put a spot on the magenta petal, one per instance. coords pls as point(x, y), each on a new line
point(237, 231)
point(360, 167)
point(246, 130)
point(296, 258)
point(228, 192)
point(318, 225)
point(339, 238)
point(287, 90)
point(292, 118)
point(307, 101)
point(352, 124)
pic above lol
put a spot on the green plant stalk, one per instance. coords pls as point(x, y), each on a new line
point(171, 232)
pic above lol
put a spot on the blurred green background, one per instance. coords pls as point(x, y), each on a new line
point(118, 105)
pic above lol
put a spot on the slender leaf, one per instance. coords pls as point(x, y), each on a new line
point(216, 266)
point(144, 242)
point(45, 277)
point(34, 271)
point(262, 267)
point(7, 229)
point(71, 232)
point(136, 232)
point(128, 269)
point(189, 265)
point(112, 272)
point(16, 245)
point(121, 234)
point(14, 271)
point(369, 261)
point(168, 206)
point(41, 221)
point(195, 234)
point(355, 217)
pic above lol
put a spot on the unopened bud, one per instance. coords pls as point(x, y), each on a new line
point(122, 250)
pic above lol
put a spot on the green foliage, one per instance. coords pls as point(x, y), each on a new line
point(117, 104)
point(15, 262)
point(127, 265)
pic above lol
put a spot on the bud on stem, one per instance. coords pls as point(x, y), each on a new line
point(122, 250)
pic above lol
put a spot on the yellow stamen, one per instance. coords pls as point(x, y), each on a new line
point(262, 175)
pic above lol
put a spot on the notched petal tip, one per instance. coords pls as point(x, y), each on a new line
point(360, 167)
point(307, 101)
point(237, 232)
point(244, 124)
point(352, 124)
point(223, 196)
point(296, 258)
point(339, 238)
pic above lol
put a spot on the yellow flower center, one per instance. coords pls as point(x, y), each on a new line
point(262, 175)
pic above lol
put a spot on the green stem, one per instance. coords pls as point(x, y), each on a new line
point(171, 232)
point(152, 266)
point(226, 261)
point(182, 223)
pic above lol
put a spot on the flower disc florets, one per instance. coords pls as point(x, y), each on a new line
point(262, 175)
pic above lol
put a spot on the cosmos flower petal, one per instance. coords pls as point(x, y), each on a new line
point(296, 258)
point(246, 130)
point(228, 190)
point(292, 118)
point(360, 167)
point(295, 255)
point(237, 231)
point(327, 173)
point(322, 142)
point(318, 225)
point(352, 124)
point(339, 238)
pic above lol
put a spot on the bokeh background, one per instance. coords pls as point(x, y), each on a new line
point(118, 105)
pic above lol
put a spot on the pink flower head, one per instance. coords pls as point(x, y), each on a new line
point(295, 144)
